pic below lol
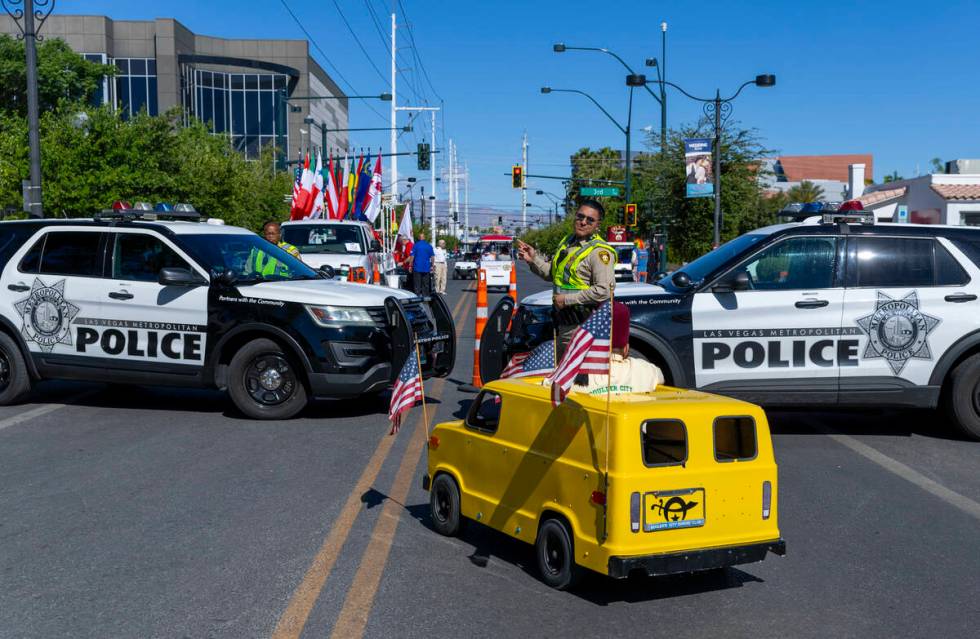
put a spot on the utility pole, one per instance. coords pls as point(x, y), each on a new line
point(466, 205)
point(663, 87)
point(455, 193)
point(449, 172)
point(524, 183)
point(432, 155)
point(394, 113)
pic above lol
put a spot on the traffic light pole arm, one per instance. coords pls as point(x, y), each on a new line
point(611, 118)
point(694, 97)
point(573, 179)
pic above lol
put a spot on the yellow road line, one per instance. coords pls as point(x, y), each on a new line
point(360, 598)
point(293, 620)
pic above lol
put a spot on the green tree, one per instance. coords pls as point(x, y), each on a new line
point(62, 75)
point(937, 165)
point(86, 168)
point(805, 191)
point(892, 177)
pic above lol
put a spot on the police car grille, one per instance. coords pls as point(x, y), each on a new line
point(378, 315)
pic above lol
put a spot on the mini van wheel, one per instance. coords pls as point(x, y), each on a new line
point(556, 555)
point(15, 380)
point(444, 505)
point(263, 383)
point(962, 400)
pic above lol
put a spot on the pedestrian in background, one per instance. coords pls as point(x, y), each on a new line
point(582, 272)
point(420, 263)
point(273, 233)
point(439, 267)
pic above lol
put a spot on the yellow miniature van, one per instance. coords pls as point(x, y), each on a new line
point(665, 482)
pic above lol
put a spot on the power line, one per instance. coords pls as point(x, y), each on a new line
point(411, 36)
point(387, 81)
point(325, 58)
point(384, 40)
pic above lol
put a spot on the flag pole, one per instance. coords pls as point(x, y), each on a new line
point(425, 412)
point(605, 518)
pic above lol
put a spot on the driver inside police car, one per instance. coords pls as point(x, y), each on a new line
point(582, 272)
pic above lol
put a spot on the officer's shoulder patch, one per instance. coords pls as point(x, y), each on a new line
point(604, 256)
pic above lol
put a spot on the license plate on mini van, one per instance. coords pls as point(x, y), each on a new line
point(673, 509)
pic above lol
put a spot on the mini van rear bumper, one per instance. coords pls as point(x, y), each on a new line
point(694, 560)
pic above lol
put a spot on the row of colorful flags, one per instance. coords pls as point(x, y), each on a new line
point(336, 193)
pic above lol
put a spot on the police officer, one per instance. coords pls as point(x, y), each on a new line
point(582, 271)
point(273, 233)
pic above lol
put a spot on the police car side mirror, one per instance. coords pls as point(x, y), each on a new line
point(327, 271)
point(173, 276)
point(681, 280)
point(375, 245)
point(741, 281)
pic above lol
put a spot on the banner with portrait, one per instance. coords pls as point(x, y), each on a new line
point(698, 167)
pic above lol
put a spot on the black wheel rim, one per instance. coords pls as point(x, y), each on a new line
point(976, 399)
point(554, 552)
point(443, 504)
point(270, 380)
point(4, 371)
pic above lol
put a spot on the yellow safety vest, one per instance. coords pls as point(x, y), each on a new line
point(289, 248)
point(266, 265)
point(564, 265)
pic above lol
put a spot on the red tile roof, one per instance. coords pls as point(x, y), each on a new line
point(824, 167)
point(877, 197)
point(958, 191)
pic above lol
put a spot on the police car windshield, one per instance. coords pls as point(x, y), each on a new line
point(342, 239)
point(716, 259)
point(249, 257)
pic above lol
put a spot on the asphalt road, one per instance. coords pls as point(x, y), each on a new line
point(138, 512)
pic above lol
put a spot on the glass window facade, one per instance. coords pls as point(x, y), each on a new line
point(136, 85)
point(241, 106)
point(101, 95)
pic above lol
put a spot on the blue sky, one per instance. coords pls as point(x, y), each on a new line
point(895, 79)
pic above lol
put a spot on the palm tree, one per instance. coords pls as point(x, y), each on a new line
point(806, 191)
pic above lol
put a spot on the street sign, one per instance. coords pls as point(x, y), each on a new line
point(601, 191)
point(902, 214)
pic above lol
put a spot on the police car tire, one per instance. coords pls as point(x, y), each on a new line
point(444, 505)
point(18, 377)
point(240, 395)
point(963, 399)
point(555, 553)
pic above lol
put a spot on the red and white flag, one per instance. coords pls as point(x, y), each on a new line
point(303, 202)
point(588, 352)
point(331, 194)
point(407, 391)
point(372, 202)
point(316, 210)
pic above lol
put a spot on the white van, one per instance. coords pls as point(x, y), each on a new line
point(342, 244)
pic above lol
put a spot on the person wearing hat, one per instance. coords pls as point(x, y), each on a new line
point(628, 374)
point(582, 272)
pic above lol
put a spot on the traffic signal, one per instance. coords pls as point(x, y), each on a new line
point(423, 156)
point(630, 217)
point(500, 220)
point(517, 176)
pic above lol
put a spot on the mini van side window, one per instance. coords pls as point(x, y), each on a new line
point(65, 253)
point(484, 413)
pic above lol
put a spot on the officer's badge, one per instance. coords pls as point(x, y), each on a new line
point(604, 256)
point(47, 315)
point(897, 331)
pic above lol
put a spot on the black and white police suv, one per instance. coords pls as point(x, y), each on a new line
point(124, 299)
point(824, 312)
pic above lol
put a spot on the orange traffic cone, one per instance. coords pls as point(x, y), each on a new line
point(377, 274)
point(481, 322)
point(512, 289)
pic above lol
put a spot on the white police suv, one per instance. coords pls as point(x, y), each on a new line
point(825, 312)
point(125, 299)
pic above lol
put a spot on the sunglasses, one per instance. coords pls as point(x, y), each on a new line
point(585, 218)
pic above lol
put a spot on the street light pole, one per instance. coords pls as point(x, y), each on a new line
point(720, 109)
point(33, 10)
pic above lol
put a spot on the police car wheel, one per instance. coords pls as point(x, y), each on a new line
point(15, 381)
point(962, 402)
point(444, 505)
point(263, 383)
point(556, 556)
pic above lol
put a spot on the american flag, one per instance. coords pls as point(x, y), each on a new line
point(297, 183)
point(540, 361)
point(588, 352)
point(407, 391)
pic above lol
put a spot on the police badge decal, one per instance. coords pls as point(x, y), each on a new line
point(47, 315)
point(897, 331)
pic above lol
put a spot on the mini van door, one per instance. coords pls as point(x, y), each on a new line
point(493, 357)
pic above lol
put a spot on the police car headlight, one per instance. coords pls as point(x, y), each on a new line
point(333, 315)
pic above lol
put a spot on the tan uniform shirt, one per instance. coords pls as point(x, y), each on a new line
point(629, 375)
point(598, 269)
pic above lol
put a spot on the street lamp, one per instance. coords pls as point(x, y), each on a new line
point(625, 130)
point(720, 109)
point(38, 10)
point(554, 200)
